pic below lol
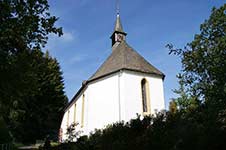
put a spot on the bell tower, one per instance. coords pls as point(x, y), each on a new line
point(118, 34)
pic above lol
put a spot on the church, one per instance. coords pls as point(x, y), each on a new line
point(123, 86)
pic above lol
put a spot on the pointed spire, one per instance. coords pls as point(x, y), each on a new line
point(118, 34)
point(118, 25)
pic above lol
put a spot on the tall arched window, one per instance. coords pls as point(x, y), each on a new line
point(145, 96)
point(68, 117)
point(83, 110)
point(75, 113)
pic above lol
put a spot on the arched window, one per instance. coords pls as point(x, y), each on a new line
point(145, 96)
point(68, 117)
point(83, 110)
point(75, 113)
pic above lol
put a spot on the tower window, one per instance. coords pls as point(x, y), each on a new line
point(145, 96)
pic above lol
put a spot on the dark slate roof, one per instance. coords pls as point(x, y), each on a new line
point(124, 57)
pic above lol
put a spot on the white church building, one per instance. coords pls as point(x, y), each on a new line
point(123, 86)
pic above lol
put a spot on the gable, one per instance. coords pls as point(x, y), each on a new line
point(124, 57)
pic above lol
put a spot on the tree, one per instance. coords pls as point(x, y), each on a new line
point(203, 60)
point(185, 101)
point(31, 84)
point(203, 80)
point(38, 110)
point(4, 133)
point(25, 24)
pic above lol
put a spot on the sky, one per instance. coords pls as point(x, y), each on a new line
point(149, 24)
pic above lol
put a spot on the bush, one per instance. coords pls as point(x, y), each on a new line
point(4, 132)
point(166, 131)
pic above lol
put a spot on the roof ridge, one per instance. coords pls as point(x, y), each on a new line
point(125, 57)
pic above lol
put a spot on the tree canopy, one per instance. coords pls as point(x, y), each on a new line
point(203, 60)
point(31, 84)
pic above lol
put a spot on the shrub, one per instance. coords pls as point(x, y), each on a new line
point(4, 132)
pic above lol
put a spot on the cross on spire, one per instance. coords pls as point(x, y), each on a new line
point(117, 7)
point(118, 25)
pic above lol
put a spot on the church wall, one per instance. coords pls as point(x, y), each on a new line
point(78, 118)
point(63, 127)
point(71, 117)
point(103, 107)
point(113, 98)
point(132, 95)
point(156, 94)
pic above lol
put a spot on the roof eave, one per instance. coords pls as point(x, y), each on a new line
point(100, 77)
point(75, 97)
point(152, 73)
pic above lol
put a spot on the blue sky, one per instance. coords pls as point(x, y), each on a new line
point(150, 25)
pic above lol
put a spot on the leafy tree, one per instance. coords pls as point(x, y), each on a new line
point(31, 83)
point(203, 79)
point(25, 24)
point(203, 60)
point(38, 110)
point(4, 133)
point(185, 101)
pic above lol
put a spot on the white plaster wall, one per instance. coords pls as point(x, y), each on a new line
point(78, 111)
point(103, 108)
point(67, 121)
point(114, 98)
point(64, 125)
point(132, 95)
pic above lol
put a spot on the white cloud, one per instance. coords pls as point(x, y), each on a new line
point(77, 58)
point(68, 36)
point(55, 42)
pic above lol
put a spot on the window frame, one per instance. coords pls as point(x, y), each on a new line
point(83, 111)
point(75, 111)
point(145, 97)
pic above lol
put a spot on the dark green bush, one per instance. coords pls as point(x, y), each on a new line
point(4, 132)
point(166, 131)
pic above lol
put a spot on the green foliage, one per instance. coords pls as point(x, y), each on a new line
point(31, 84)
point(202, 88)
point(165, 131)
point(185, 101)
point(68, 146)
point(204, 63)
point(71, 133)
point(203, 81)
point(25, 24)
point(37, 107)
point(4, 133)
